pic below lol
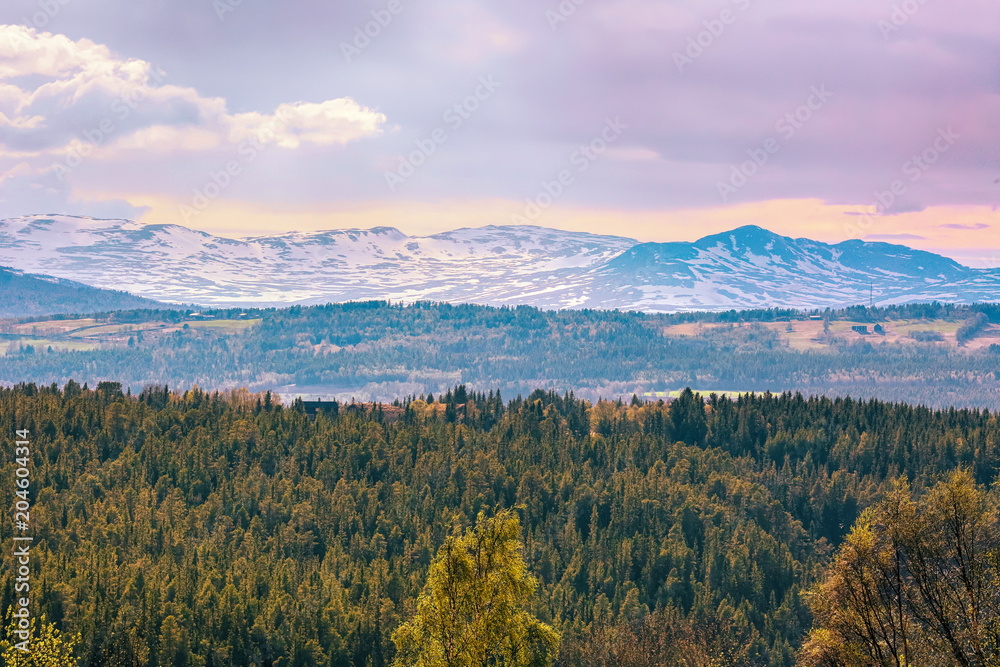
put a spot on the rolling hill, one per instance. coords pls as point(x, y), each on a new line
point(26, 295)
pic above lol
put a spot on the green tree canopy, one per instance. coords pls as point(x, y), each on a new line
point(472, 610)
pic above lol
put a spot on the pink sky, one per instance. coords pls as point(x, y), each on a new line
point(633, 117)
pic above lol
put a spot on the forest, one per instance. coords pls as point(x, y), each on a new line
point(189, 528)
point(930, 354)
point(26, 295)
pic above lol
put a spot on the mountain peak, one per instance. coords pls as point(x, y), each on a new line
point(747, 234)
point(752, 231)
point(748, 239)
point(746, 267)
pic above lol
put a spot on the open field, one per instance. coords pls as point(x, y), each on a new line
point(224, 326)
point(13, 346)
point(109, 330)
point(89, 334)
point(804, 335)
point(49, 327)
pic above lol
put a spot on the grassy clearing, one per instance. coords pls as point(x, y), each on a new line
point(52, 326)
point(111, 329)
point(42, 344)
point(88, 334)
point(224, 326)
point(809, 334)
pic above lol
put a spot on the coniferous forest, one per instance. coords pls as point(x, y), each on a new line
point(197, 529)
point(469, 333)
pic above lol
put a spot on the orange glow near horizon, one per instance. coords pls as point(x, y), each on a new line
point(971, 234)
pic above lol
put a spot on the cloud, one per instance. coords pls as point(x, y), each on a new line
point(978, 225)
point(63, 101)
point(226, 80)
point(331, 122)
point(22, 189)
point(24, 52)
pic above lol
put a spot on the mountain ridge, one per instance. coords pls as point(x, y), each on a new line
point(25, 294)
point(747, 267)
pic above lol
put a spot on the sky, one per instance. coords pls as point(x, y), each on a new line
point(656, 120)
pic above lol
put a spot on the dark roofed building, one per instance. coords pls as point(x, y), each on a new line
point(331, 408)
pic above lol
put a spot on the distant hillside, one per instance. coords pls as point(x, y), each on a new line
point(28, 295)
point(931, 354)
point(748, 267)
point(751, 267)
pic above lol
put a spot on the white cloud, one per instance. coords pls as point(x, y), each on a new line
point(68, 105)
point(331, 122)
point(56, 92)
point(23, 51)
point(21, 122)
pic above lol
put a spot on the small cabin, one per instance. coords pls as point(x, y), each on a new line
point(861, 329)
point(312, 408)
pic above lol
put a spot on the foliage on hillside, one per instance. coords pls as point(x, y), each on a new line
point(26, 295)
point(380, 351)
point(216, 530)
point(42, 646)
point(914, 583)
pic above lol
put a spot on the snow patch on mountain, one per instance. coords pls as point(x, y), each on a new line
point(748, 267)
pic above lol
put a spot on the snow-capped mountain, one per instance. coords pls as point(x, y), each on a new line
point(747, 268)
point(171, 263)
point(751, 267)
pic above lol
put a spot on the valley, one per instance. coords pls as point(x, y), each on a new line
point(375, 351)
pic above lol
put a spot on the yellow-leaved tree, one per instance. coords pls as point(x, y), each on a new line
point(472, 611)
point(47, 647)
point(914, 585)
